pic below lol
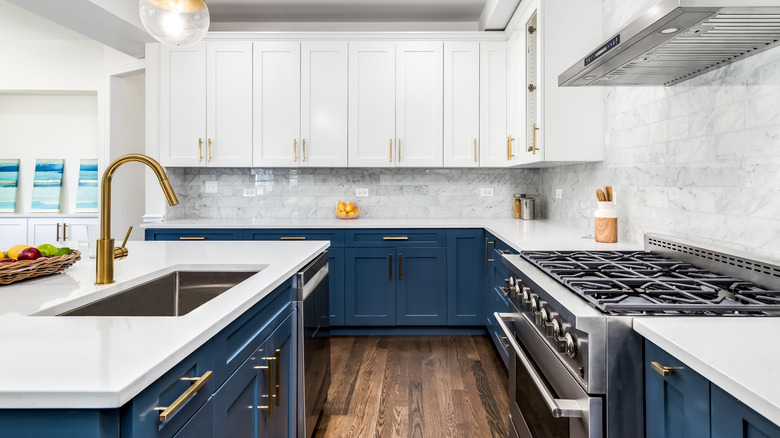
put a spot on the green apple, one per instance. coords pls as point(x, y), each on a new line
point(47, 249)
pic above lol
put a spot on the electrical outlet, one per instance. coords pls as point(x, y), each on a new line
point(558, 193)
point(250, 192)
point(361, 193)
point(487, 191)
point(211, 187)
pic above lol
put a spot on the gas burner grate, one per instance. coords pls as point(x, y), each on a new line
point(637, 282)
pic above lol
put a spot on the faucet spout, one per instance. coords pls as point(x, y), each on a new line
point(105, 245)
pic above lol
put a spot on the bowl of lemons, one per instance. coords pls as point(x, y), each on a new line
point(347, 210)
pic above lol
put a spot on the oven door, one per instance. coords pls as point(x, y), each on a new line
point(545, 401)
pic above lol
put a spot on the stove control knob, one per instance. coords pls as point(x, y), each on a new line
point(553, 328)
point(516, 291)
point(526, 293)
point(571, 345)
point(511, 281)
point(533, 303)
point(542, 316)
point(561, 340)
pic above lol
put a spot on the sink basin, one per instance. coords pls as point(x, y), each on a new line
point(175, 294)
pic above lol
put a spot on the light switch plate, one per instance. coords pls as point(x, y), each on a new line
point(361, 193)
point(250, 192)
point(211, 187)
point(487, 191)
point(558, 193)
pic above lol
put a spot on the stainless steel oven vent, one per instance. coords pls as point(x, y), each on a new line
point(677, 40)
point(763, 272)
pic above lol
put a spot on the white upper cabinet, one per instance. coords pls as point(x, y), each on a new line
point(554, 125)
point(461, 104)
point(277, 104)
point(371, 104)
point(419, 107)
point(323, 104)
point(205, 104)
point(493, 145)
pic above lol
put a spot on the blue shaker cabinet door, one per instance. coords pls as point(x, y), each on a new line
point(369, 292)
point(336, 285)
point(421, 293)
point(677, 405)
point(201, 425)
point(466, 270)
point(733, 419)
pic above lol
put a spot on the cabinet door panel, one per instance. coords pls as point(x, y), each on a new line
point(370, 286)
point(276, 104)
point(12, 232)
point(43, 231)
point(236, 404)
point(280, 345)
point(733, 419)
point(419, 111)
point(201, 425)
point(461, 104)
point(421, 291)
point(465, 276)
point(229, 103)
point(323, 104)
point(371, 104)
point(493, 104)
point(336, 285)
point(182, 105)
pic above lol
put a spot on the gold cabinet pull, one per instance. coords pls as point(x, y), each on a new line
point(509, 141)
point(270, 387)
point(390, 264)
point(533, 145)
point(200, 149)
point(58, 231)
point(278, 361)
point(487, 251)
point(475, 149)
point(208, 151)
point(399, 150)
point(662, 370)
point(64, 231)
point(395, 238)
point(391, 150)
point(292, 238)
point(295, 149)
point(400, 270)
point(169, 411)
point(192, 238)
point(304, 149)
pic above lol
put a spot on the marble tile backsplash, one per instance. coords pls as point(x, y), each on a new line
point(697, 160)
point(314, 193)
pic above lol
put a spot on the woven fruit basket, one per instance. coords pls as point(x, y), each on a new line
point(24, 269)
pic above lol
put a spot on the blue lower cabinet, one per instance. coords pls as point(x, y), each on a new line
point(369, 286)
point(194, 234)
point(201, 425)
point(677, 404)
point(59, 423)
point(733, 419)
point(466, 267)
point(336, 285)
point(421, 293)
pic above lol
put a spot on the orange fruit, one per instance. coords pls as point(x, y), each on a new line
point(350, 207)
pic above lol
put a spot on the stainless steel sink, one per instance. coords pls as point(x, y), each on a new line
point(175, 294)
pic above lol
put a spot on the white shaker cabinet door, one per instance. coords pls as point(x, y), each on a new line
point(419, 106)
point(493, 148)
point(371, 104)
point(183, 106)
point(461, 104)
point(229, 104)
point(13, 231)
point(324, 104)
point(277, 104)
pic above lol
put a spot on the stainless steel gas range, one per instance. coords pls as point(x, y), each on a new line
point(576, 365)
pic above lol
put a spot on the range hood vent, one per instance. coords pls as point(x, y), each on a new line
point(677, 40)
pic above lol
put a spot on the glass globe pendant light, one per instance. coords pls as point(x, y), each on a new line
point(177, 23)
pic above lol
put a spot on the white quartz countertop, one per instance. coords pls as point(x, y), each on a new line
point(736, 354)
point(103, 362)
point(522, 235)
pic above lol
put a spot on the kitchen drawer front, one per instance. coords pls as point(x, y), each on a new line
point(236, 342)
point(140, 416)
point(396, 238)
point(497, 302)
point(194, 234)
point(336, 237)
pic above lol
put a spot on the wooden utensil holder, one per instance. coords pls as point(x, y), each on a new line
point(606, 223)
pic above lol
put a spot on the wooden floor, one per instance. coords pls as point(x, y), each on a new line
point(415, 386)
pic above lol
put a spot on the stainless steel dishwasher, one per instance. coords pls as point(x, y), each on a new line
point(311, 285)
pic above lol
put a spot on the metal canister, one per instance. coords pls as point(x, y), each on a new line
point(527, 209)
point(517, 205)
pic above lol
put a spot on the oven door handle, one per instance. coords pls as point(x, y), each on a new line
point(559, 408)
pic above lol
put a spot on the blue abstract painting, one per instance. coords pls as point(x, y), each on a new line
point(9, 181)
point(87, 194)
point(47, 185)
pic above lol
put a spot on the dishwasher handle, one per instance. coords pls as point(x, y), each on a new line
point(308, 278)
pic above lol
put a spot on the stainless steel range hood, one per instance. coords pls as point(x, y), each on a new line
point(676, 40)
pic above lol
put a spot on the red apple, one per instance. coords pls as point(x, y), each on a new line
point(7, 260)
point(29, 254)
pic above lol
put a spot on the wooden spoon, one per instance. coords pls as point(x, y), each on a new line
point(609, 193)
point(600, 195)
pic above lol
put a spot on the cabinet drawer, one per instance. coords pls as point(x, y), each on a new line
point(396, 238)
point(193, 234)
point(140, 417)
point(336, 237)
point(236, 342)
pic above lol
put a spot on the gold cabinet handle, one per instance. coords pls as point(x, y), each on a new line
point(487, 251)
point(304, 149)
point(475, 150)
point(295, 149)
point(390, 264)
point(58, 232)
point(533, 145)
point(662, 370)
point(292, 238)
point(391, 150)
point(509, 141)
point(399, 150)
point(192, 238)
point(208, 151)
point(200, 149)
point(395, 238)
point(64, 231)
point(278, 361)
point(400, 270)
point(270, 388)
point(169, 411)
